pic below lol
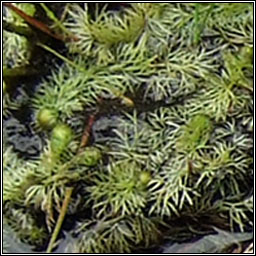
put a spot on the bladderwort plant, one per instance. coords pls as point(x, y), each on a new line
point(16, 53)
point(180, 146)
point(107, 30)
point(226, 94)
point(118, 234)
point(16, 48)
point(126, 193)
point(236, 28)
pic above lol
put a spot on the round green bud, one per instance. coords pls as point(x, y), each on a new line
point(247, 53)
point(61, 137)
point(145, 177)
point(91, 156)
point(46, 118)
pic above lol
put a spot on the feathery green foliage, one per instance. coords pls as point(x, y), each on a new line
point(97, 36)
point(174, 82)
point(16, 48)
point(195, 134)
point(119, 190)
point(116, 235)
point(23, 223)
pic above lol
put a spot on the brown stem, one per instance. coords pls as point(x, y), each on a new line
point(86, 133)
point(88, 128)
point(33, 22)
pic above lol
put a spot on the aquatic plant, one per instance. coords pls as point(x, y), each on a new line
point(61, 93)
point(118, 191)
point(119, 234)
point(236, 28)
point(28, 231)
point(174, 83)
point(16, 48)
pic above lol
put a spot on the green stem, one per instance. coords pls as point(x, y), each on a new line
point(199, 25)
point(125, 100)
point(57, 22)
point(19, 71)
point(60, 220)
point(196, 22)
point(71, 63)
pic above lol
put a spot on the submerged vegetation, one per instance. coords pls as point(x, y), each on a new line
point(145, 120)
